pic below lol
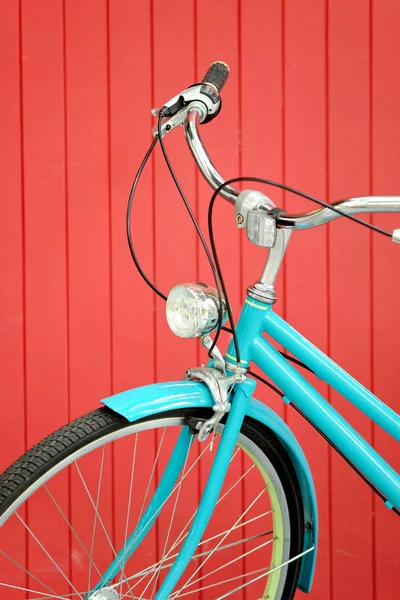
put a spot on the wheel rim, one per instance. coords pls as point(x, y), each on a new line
point(250, 523)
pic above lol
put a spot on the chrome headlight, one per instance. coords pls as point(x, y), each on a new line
point(192, 309)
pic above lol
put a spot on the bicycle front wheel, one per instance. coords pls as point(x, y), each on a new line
point(70, 504)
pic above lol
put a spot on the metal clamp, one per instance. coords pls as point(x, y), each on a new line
point(219, 386)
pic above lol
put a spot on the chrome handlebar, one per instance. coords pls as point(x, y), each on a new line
point(313, 218)
point(202, 159)
point(320, 216)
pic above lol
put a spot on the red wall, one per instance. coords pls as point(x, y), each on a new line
point(313, 100)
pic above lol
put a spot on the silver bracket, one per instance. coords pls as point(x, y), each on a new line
point(219, 386)
point(252, 212)
point(219, 362)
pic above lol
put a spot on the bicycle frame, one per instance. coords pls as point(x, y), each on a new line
point(258, 318)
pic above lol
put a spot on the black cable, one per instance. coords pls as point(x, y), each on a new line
point(128, 221)
point(287, 188)
point(284, 187)
point(218, 266)
point(218, 278)
point(267, 383)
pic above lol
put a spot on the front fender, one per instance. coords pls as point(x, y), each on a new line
point(148, 400)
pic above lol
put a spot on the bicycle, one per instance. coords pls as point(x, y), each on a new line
point(210, 418)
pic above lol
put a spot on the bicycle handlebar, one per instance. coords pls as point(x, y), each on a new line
point(308, 220)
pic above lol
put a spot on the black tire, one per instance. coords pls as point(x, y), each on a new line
point(25, 471)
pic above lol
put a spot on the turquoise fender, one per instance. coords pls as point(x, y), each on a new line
point(153, 399)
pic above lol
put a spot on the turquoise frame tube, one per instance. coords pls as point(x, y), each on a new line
point(255, 320)
point(258, 318)
point(155, 399)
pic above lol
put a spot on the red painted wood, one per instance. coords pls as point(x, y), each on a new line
point(297, 106)
point(88, 205)
point(386, 284)
point(349, 283)
point(132, 302)
point(175, 241)
point(218, 39)
point(11, 223)
point(45, 249)
point(305, 142)
point(261, 134)
point(262, 155)
point(12, 317)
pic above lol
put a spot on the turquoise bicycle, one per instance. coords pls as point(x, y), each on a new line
point(160, 445)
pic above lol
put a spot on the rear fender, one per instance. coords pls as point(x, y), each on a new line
point(148, 400)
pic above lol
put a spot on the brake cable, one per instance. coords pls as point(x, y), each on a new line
point(214, 260)
point(283, 187)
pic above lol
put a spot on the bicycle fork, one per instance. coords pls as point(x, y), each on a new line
point(166, 486)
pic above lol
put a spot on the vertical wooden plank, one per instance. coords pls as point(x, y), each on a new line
point(262, 155)
point(11, 273)
point(44, 191)
point(86, 61)
point(11, 232)
point(132, 301)
point(175, 239)
point(217, 30)
point(349, 285)
point(261, 128)
point(306, 261)
point(385, 261)
point(174, 262)
point(45, 248)
point(88, 203)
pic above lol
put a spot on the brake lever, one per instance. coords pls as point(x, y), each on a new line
point(178, 119)
point(202, 97)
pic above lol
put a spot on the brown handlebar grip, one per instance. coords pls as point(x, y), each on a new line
point(217, 75)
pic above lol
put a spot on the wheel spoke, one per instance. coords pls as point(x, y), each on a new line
point(157, 573)
point(42, 594)
point(47, 553)
point(183, 535)
point(95, 516)
point(265, 574)
point(101, 522)
point(153, 567)
point(234, 559)
point(157, 512)
point(70, 526)
point(220, 542)
point(151, 476)
point(26, 571)
point(128, 510)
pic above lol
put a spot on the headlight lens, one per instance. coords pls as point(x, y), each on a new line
point(192, 309)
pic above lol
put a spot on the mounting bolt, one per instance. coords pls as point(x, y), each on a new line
point(239, 219)
point(188, 374)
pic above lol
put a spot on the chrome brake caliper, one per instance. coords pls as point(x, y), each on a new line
point(219, 384)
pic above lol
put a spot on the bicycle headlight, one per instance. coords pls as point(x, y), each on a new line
point(192, 309)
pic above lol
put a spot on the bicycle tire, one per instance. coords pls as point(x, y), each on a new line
point(22, 475)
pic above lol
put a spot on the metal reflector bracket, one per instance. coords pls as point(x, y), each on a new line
point(261, 228)
point(252, 212)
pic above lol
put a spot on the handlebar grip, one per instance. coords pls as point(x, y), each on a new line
point(217, 75)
